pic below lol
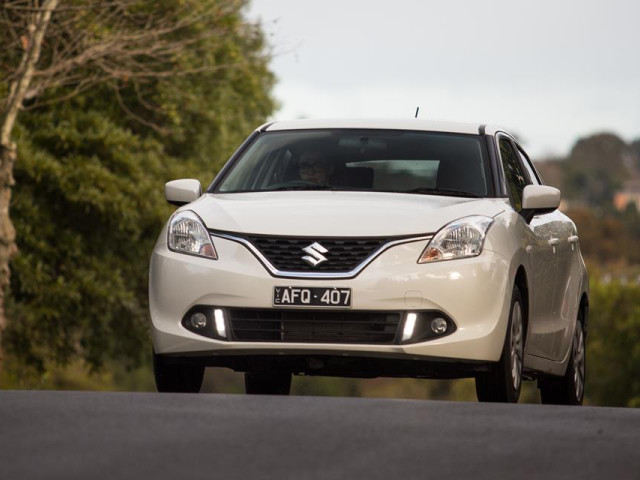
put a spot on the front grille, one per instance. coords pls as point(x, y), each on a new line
point(343, 255)
point(313, 326)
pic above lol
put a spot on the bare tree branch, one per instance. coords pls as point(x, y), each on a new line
point(94, 42)
point(27, 66)
point(158, 128)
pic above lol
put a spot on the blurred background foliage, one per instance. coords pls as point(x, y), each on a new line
point(88, 205)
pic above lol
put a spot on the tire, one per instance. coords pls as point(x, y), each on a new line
point(504, 381)
point(267, 383)
point(175, 377)
point(568, 389)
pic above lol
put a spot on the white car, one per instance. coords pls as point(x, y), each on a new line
point(372, 248)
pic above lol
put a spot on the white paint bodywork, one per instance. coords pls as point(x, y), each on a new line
point(327, 213)
point(393, 281)
point(540, 197)
point(412, 124)
point(475, 292)
point(184, 190)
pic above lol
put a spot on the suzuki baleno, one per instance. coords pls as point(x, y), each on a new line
point(372, 248)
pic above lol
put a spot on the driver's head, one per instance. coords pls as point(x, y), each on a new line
point(314, 167)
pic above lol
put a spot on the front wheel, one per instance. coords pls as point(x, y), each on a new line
point(569, 389)
point(267, 383)
point(175, 377)
point(503, 382)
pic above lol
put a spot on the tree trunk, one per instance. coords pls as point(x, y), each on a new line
point(17, 91)
point(7, 232)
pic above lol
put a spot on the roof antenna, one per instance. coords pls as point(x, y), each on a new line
point(417, 110)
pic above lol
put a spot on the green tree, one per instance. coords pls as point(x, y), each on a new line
point(596, 168)
point(86, 210)
point(613, 353)
point(635, 149)
point(88, 202)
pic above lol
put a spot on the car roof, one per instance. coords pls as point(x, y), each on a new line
point(399, 124)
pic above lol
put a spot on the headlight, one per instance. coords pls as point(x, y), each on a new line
point(187, 234)
point(459, 239)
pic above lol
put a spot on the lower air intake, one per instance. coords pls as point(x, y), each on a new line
point(307, 326)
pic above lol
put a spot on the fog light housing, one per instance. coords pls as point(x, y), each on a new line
point(206, 320)
point(198, 320)
point(439, 325)
point(426, 325)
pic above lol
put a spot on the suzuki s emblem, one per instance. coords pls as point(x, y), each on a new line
point(315, 251)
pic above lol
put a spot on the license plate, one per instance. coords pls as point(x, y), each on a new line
point(312, 297)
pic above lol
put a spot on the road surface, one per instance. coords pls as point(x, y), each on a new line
point(91, 435)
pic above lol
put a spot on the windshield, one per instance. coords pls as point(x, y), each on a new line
point(369, 160)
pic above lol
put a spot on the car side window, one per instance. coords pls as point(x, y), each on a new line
point(515, 177)
point(533, 175)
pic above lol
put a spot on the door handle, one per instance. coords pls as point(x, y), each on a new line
point(573, 239)
point(554, 242)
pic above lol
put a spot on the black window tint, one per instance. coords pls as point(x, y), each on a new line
point(377, 160)
point(513, 173)
point(533, 177)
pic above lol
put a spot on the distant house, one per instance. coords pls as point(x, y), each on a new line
point(630, 193)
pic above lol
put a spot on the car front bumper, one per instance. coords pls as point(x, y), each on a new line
point(473, 292)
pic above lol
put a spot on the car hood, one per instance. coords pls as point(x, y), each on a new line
point(344, 214)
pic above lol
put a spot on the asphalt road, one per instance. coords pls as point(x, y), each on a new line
point(68, 435)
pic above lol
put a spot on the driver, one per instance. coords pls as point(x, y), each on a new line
point(314, 167)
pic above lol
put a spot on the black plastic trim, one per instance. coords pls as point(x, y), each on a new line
point(529, 162)
point(300, 315)
point(209, 329)
point(266, 126)
point(422, 331)
point(246, 236)
point(339, 364)
point(497, 174)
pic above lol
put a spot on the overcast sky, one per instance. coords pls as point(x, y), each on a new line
point(548, 71)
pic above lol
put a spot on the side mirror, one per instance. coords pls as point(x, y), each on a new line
point(180, 192)
point(538, 199)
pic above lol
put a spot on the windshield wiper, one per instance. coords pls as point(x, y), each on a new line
point(299, 187)
point(441, 191)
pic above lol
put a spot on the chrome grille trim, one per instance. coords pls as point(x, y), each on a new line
point(335, 255)
point(321, 275)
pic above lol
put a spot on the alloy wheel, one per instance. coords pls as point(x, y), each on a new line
point(516, 345)
point(578, 362)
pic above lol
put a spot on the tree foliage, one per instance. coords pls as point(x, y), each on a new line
point(596, 167)
point(613, 345)
point(88, 203)
point(608, 239)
